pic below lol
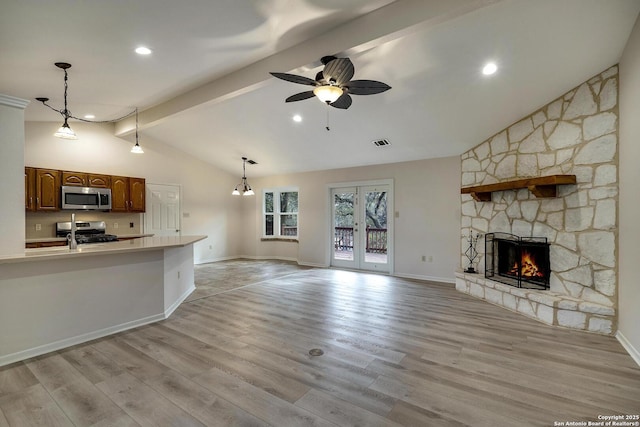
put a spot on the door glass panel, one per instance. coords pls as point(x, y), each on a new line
point(343, 225)
point(376, 227)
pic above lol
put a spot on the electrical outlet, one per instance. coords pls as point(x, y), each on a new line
point(424, 258)
point(430, 258)
point(115, 225)
point(38, 227)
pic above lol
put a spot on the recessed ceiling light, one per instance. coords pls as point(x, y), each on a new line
point(143, 50)
point(297, 118)
point(489, 69)
point(89, 116)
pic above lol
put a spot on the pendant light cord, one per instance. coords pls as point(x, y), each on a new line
point(137, 126)
point(66, 113)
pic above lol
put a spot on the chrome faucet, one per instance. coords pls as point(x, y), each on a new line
point(73, 244)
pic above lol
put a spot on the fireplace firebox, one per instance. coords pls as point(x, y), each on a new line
point(522, 262)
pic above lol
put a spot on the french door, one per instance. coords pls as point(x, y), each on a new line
point(360, 231)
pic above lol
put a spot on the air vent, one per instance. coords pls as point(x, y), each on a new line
point(252, 162)
point(380, 142)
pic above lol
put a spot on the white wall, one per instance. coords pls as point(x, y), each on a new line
point(11, 174)
point(427, 198)
point(629, 281)
point(206, 191)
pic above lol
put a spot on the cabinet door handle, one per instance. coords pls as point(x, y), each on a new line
point(37, 201)
point(31, 201)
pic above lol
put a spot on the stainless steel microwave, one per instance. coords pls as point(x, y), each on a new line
point(86, 198)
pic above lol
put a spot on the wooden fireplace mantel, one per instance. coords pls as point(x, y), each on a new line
point(544, 186)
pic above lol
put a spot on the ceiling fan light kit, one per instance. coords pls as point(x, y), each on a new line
point(333, 85)
point(327, 93)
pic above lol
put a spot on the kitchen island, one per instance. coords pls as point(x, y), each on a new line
point(51, 298)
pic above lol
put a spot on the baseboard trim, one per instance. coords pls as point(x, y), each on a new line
point(179, 301)
point(264, 257)
point(311, 264)
point(78, 339)
point(208, 260)
point(633, 352)
point(448, 280)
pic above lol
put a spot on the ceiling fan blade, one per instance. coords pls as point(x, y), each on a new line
point(339, 70)
point(366, 87)
point(343, 102)
point(295, 79)
point(300, 96)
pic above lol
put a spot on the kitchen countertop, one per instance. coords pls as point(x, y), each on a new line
point(64, 239)
point(93, 249)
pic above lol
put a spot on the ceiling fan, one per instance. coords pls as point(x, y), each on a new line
point(333, 85)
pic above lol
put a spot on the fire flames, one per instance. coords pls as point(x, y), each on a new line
point(528, 267)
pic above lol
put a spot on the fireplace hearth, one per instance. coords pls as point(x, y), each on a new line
point(522, 262)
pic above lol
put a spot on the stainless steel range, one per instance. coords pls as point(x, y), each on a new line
point(86, 231)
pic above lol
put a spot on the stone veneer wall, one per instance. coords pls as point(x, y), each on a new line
point(575, 134)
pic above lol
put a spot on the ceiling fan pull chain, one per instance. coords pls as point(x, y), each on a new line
point(327, 127)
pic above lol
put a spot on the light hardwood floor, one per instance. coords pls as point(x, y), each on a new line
point(396, 352)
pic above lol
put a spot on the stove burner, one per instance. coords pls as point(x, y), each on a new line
point(95, 238)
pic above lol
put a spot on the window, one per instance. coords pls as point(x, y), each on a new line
point(280, 213)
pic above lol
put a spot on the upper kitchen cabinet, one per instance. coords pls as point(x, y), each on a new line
point(137, 194)
point(83, 179)
point(127, 194)
point(77, 179)
point(99, 181)
point(30, 189)
point(47, 189)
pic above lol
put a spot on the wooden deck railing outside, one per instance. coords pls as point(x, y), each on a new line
point(376, 239)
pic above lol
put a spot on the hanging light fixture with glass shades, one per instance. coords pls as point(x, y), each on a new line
point(244, 186)
point(136, 148)
point(65, 130)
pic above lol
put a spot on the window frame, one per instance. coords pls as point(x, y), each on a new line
point(277, 213)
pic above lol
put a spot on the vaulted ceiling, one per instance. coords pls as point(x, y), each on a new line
point(206, 88)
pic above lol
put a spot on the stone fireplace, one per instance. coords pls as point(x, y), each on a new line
point(576, 134)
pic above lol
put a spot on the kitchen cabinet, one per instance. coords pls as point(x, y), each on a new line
point(137, 194)
point(83, 179)
point(99, 181)
point(47, 189)
point(30, 189)
point(33, 245)
point(76, 179)
point(42, 189)
point(127, 194)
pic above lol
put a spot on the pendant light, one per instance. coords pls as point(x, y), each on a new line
point(136, 148)
point(244, 185)
point(65, 130)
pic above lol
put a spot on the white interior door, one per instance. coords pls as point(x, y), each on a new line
point(162, 216)
point(360, 231)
